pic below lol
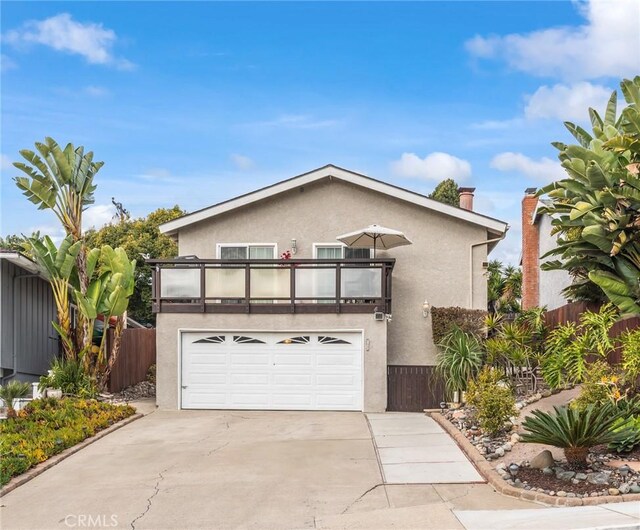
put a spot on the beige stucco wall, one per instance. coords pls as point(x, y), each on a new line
point(436, 267)
point(374, 343)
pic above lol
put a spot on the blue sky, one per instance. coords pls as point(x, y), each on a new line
point(196, 102)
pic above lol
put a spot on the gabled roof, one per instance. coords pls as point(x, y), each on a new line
point(331, 171)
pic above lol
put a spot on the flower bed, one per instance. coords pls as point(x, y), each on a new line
point(47, 426)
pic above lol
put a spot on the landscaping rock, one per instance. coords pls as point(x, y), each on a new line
point(598, 478)
point(581, 476)
point(548, 471)
point(515, 438)
point(507, 446)
point(566, 475)
point(542, 460)
point(500, 451)
point(624, 488)
point(614, 491)
point(561, 493)
point(634, 488)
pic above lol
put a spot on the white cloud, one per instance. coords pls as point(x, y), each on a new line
point(98, 215)
point(567, 102)
point(92, 41)
point(544, 169)
point(606, 45)
point(243, 163)
point(55, 232)
point(435, 166)
point(96, 91)
point(5, 162)
point(7, 63)
point(158, 174)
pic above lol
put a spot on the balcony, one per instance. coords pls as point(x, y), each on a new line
point(272, 286)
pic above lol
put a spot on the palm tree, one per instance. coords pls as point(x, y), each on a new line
point(504, 286)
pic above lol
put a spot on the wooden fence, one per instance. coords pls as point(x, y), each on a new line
point(413, 388)
point(571, 313)
point(137, 354)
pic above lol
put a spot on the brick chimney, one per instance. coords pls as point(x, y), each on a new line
point(530, 251)
point(466, 198)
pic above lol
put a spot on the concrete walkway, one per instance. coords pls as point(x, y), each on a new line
point(620, 515)
point(413, 449)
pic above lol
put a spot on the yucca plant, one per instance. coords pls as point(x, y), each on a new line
point(573, 430)
point(12, 391)
point(459, 360)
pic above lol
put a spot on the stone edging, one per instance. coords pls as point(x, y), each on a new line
point(56, 459)
point(498, 483)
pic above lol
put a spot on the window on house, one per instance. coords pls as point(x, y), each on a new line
point(247, 251)
point(341, 252)
point(262, 280)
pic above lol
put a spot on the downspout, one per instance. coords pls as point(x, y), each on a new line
point(471, 247)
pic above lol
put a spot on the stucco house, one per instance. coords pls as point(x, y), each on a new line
point(28, 341)
point(539, 288)
point(239, 328)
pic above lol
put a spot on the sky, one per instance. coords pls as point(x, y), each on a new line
point(192, 103)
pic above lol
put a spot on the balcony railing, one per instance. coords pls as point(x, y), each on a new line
point(272, 286)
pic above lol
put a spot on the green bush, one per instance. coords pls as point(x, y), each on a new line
point(12, 391)
point(493, 400)
point(443, 320)
point(572, 429)
point(630, 343)
point(598, 386)
point(47, 426)
point(459, 359)
point(629, 439)
point(69, 376)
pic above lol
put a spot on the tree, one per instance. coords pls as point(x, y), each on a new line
point(61, 180)
point(596, 208)
point(446, 192)
point(140, 238)
point(504, 284)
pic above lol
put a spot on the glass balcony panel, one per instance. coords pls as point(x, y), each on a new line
point(224, 283)
point(271, 283)
point(315, 283)
point(180, 283)
point(360, 282)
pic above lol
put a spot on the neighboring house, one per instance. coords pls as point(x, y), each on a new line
point(539, 288)
point(28, 341)
point(238, 330)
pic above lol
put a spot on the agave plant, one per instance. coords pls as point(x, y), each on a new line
point(12, 391)
point(459, 360)
point(573, 430)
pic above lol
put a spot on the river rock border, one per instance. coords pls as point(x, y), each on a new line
point(487, 470)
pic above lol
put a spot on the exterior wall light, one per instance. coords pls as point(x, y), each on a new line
point(426, 309)
point(294, 247)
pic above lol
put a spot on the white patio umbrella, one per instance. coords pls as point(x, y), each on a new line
point(375, 236)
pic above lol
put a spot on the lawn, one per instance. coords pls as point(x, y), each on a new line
point(48, 426)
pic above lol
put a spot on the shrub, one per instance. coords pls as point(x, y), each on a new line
point(630, 343)
point(69, 376)
point(12, 391)
point(443, 320)
point(459, 359)
point(151, 374)
point(629, 439)
point(493, 399)
point(574, 430)
point(600, 386)
point(47, 426)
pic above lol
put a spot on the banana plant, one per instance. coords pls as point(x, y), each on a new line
point(58, 264)
point(107, 296)
point(596, 209)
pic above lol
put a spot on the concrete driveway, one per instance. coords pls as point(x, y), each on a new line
point(209, 469)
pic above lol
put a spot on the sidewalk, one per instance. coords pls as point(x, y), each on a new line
point(414, 449)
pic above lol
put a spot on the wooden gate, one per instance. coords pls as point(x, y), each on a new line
point(413, 388)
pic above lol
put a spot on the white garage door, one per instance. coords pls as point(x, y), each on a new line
point(272, 370)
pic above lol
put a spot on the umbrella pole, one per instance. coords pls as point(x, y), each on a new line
point(375, 239)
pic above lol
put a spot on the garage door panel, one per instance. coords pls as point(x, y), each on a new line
point(270, 373)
